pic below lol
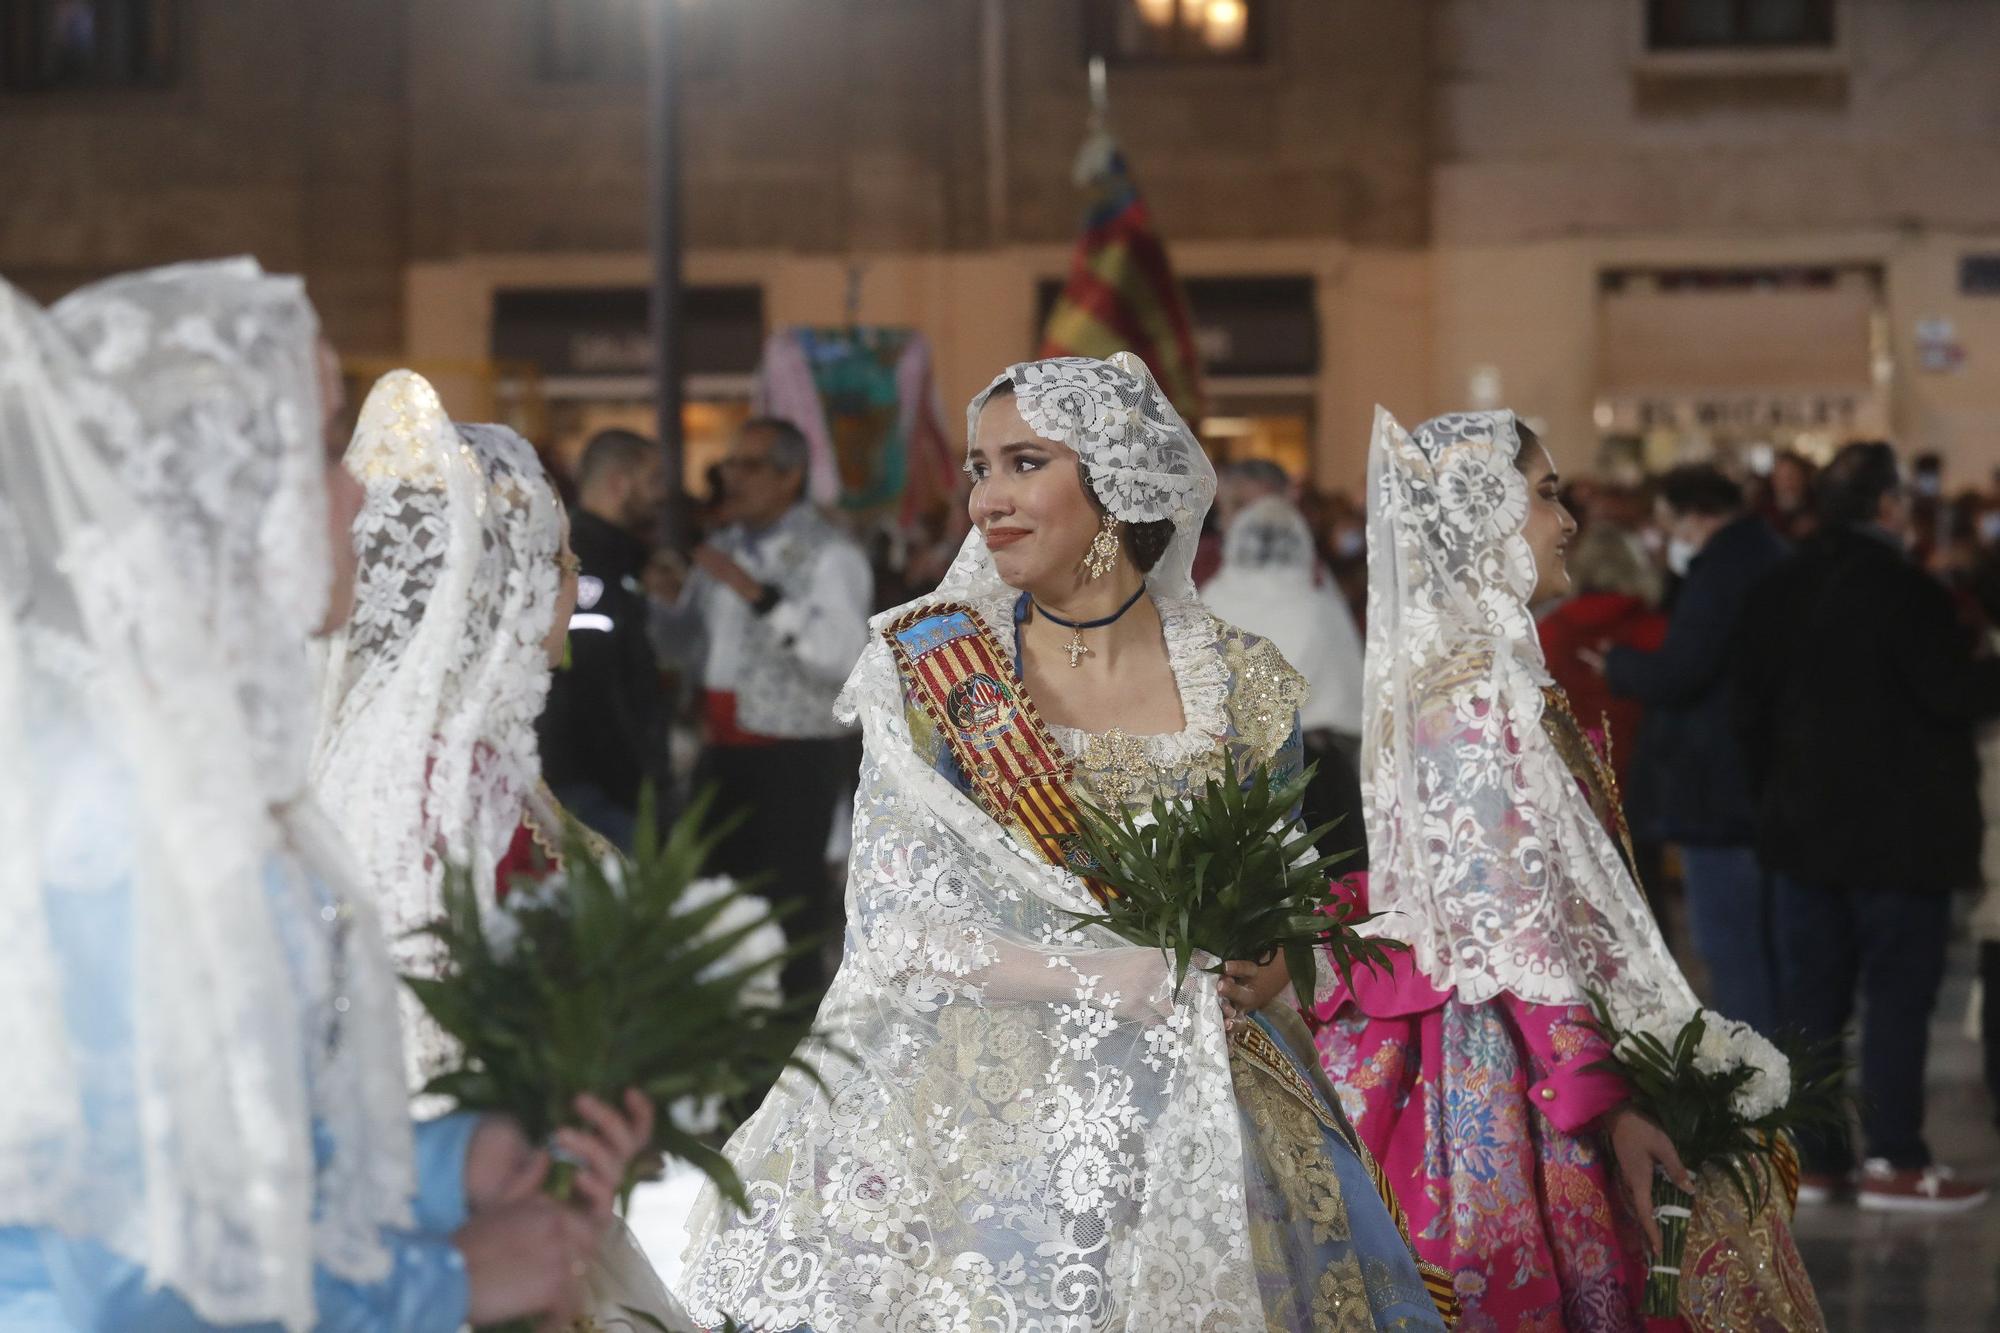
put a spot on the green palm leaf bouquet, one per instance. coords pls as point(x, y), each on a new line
point(616, 974)
point(1729, 1098)
point(1229, 872)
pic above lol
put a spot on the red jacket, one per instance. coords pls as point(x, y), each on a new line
point(1584, 622)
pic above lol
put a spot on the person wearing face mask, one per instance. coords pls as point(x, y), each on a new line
point(1859, 697)
point(1689, 786)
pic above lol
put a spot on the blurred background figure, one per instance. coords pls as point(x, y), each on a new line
point(1787, 501)
point(1616, 602)
point(778, 602)
point(602, 734)
point(1986, 916)
point(1690, 787)
point(1242, 484)
point(1859, 696)
point(1266, 585)
point(1237, 485)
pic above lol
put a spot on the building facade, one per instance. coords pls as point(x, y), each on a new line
point(1786, 233)
point(1658, 226)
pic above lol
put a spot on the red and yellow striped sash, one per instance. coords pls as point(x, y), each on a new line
point(953, 667)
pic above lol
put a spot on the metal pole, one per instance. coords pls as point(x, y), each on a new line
point(666, 242)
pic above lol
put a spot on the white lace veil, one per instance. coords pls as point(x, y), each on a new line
point(1030, 1133)
point(1479, 837)
point(1142, 461)
point(427, 752)
point(163, 465)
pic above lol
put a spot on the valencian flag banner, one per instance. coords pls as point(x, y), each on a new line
point(1121, 294)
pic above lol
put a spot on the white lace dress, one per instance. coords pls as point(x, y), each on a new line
point(1027, 1132)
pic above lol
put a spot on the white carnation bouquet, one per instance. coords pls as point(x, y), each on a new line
point(1728, 1097)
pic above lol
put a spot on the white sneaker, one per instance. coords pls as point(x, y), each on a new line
point(1930, 1189)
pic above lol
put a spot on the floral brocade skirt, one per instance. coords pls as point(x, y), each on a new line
point(1330, 1256)
point(1531, 1221)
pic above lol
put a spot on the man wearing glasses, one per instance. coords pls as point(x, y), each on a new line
point(779, 602)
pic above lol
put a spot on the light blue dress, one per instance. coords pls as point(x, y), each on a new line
point(49, 1281)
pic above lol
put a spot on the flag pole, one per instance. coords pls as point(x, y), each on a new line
point(666, 245)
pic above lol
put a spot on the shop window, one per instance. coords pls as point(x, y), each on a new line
point(52, 45)
point(1739, 25)
point(1137, 32)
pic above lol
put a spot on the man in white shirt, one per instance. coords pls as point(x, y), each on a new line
point(779, 600)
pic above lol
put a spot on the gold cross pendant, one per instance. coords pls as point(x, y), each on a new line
point(1077, 652)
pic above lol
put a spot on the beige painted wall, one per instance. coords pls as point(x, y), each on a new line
point(978, 310)
point(1551, 122)
point(1530, 312)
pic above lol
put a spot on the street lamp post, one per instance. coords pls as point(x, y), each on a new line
point(666, 245)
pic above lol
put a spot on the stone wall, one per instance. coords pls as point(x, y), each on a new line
point(1552, 123)
point(282, 137)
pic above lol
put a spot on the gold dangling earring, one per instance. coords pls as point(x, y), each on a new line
point(1103, 553)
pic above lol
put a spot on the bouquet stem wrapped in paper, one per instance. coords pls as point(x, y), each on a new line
point(1229, 873)
point(1728, 1098)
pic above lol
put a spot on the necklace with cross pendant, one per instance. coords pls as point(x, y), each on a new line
point(1075, 647)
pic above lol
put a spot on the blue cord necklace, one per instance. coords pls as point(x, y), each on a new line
point(1075, 648)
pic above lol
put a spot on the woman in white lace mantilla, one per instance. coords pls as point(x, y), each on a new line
point(1029, 1130)
point(1497, 851)
point(427, 754)
point(206, 1123)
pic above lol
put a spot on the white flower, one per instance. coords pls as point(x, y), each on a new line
point(863, 1199)
point(1083, 1178)
point(502, 931)
point(1727, 1045)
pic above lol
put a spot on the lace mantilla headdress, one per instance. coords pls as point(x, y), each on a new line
point(163, 465)
point(427, 753)
point(1481, 844)
point(1142, 462)
point(919, 1179)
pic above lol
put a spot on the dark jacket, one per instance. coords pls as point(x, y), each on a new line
point(602, 725)
point(1689, 783)
point(1859, 692)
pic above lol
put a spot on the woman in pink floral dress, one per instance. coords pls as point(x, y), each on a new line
point(1495, 843)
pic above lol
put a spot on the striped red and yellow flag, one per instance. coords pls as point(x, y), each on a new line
point(1121, 294)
